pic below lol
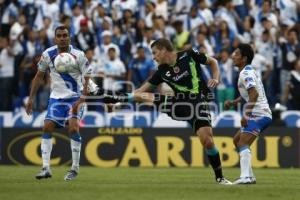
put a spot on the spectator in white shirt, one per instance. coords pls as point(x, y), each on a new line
point(114, 71)
point(204, 13)
point(7, 61)
point(77, 17)
point(288, 11)
point(161, 9)
point(101, 51)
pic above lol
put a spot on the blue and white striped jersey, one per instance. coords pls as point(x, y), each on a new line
point(248, 78)
point(65, 85)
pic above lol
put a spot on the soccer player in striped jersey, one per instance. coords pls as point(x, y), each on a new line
point(66, 99)
point(257, 114)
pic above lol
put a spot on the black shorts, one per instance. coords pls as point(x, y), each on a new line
point(193, 110)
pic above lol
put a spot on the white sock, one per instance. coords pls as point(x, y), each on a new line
point(245, 162)
point(75, 148)
point(46, 148)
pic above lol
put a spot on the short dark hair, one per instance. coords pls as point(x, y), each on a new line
point(177, 23)
point(61, 28)
point(267, 1)
point(247, 51)
point(140, 47)
point(162, 43)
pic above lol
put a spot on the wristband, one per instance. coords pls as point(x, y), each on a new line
point(130, 97)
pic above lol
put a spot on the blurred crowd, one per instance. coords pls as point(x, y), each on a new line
point(116, 34)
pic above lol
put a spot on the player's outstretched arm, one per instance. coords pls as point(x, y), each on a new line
point(35, 85)
point(212, 83)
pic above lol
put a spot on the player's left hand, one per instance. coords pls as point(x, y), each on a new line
point(212, 83)
point(244, 121)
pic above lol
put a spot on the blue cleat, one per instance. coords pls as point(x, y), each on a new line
point(71, 175)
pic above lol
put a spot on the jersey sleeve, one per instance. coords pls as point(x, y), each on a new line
point(248, 80)
point(197, 56)
point(84, 66)
point(156, 78)
point(44, 62)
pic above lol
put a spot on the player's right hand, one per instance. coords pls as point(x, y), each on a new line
point(244, 121)
point(213, 83)
point(28, 106)
point(227, 104)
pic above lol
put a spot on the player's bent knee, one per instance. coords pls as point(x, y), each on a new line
point(48, 127)
point(207, 141)
point(73, 129)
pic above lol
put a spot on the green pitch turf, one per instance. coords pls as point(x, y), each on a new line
point(145, 183)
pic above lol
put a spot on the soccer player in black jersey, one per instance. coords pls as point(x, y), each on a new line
point(182, 72)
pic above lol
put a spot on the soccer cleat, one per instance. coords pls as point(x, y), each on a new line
point(70, 175)
point(44, 173)
point(244, 180)
point(223, 181)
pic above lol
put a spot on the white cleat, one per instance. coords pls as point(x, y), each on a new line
point(44, 173)
point(223, 181)
point(244, 180)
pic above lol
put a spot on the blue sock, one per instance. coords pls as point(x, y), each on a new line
point(46, 135)
point(76, 137)
point(242, 148)
point(211, 152)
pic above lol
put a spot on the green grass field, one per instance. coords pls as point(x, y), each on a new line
point(145, 183)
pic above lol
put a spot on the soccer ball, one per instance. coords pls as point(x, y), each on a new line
point(64, 62)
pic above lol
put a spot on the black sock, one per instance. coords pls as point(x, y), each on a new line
point(112, 97)
point(115, 98)
point(215, 162)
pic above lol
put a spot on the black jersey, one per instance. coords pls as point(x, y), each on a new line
point(185, 76)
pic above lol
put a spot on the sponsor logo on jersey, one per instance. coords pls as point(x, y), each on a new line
point(178, 77)
point(176, 69)
point(248, 79)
